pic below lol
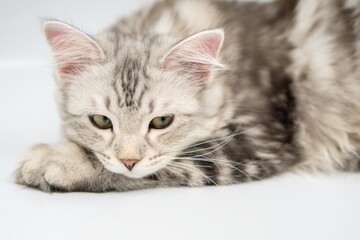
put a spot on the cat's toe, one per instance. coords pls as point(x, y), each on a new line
point(33, 176)
point(37, 170)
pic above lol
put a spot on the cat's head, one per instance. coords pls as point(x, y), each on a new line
point(135, 101)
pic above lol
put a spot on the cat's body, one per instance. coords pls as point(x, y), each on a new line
point(280, 93)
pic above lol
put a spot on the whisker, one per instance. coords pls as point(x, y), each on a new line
point(212, 140)
point(234, 167)
point(224, 162)
point(194, 170)
point(158, 177)
point(203, 149)
point(220, 145)
point(209, 141)
point(206, 159)
point(178, 173)
point(225, 140)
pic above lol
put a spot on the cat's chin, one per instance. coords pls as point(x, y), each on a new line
point(135, 173)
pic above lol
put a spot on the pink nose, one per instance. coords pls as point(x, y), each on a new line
point(129, 163)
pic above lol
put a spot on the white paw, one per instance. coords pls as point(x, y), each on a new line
point(46, 168)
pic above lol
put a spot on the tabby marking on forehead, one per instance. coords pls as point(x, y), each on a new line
point(130, 81)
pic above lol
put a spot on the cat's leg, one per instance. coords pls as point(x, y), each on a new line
point(67, 167)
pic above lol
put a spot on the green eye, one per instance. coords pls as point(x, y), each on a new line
point(101, 121)
point(161, 122)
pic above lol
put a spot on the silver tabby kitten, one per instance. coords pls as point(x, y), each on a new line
point(193, 93)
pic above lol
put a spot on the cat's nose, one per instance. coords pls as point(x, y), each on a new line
point(129, 163)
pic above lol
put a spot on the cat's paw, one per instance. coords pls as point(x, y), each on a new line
point(44, 168)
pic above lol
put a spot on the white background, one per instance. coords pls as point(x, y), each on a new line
point(285, 207)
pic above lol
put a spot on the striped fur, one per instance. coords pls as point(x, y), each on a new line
point(281, 94)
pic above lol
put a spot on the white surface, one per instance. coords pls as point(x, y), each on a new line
point(286, 207)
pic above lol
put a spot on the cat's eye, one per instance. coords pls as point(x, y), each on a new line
point(101, 121)
point(161, 122)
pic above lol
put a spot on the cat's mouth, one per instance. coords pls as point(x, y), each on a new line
point(143, 168)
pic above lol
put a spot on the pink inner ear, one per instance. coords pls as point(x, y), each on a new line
point(196, 54)
point(52, 33)
point(72, 49)
point(55, 35)
point(210, 45)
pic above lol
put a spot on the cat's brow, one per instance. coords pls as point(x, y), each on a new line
point(130, 77)
point(107, 102)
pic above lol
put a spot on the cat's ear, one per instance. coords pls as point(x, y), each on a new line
point(196, 55)
point(73, 50)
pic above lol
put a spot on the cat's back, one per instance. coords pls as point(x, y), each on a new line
point(255, 31)
point(325, 70)
point(183, 18)
point(189, 16)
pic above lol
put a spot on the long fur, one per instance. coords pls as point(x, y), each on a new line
point(288, 99)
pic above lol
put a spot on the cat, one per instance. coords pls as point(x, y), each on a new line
point(195, 93)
